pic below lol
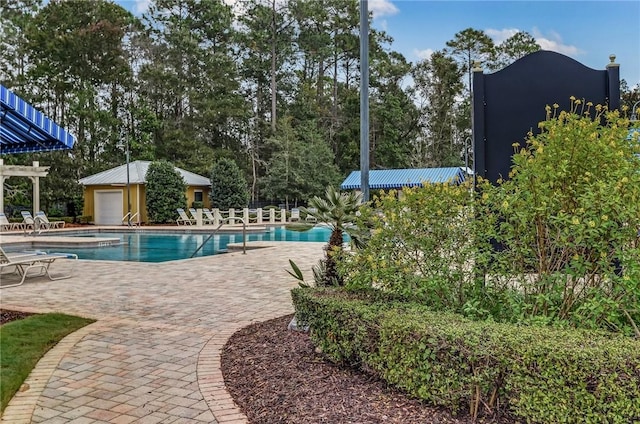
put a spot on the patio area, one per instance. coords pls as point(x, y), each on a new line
point(153, 354)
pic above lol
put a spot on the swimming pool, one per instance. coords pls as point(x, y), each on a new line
point(161, 247)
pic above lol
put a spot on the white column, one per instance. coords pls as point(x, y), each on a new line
point(198, 217)
point(245, 215)
point(259, 212)
point(272, 216)
point(232, 213)
point(283, 216)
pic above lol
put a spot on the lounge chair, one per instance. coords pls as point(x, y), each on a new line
point(51, 224)
point(22, 263)
point(295, 215)
point(184, 219)
point(210, 218)
point(28, 222)
point(5, 225)
point(310, 215)
point(205, 218)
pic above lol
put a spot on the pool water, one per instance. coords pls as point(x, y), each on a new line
point(161, 247)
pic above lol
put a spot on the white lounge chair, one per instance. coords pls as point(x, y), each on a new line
point(51, 224)
point(22, 263)
point(295, 215)
point(210, 217)
point(205, 218)
point(310, 217)
point(6, 225)
point(29, 223)
point(183, 218)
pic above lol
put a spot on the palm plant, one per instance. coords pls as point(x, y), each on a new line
point(336, 210)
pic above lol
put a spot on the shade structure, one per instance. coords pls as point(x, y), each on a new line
point(397, 178)
point(24, 129)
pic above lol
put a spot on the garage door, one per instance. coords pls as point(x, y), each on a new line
point(108, 207)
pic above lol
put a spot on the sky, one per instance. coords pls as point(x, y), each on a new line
point(588, 31)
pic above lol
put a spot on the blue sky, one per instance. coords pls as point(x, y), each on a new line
point(588, 31)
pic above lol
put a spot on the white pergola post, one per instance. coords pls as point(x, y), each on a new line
point(34, 173)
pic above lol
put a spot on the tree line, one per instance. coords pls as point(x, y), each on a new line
point(272, 85)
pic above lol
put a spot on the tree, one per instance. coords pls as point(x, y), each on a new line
point(165, 192)
point(438, 82)
point(336, 210)
point(470, 45)
point(228, 186)
point(513, 48)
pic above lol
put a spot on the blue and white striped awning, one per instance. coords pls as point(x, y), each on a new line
point(24, 129)
point(397, 178)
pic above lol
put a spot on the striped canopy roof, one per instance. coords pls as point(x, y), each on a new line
point(24, 129)
point(398, 178)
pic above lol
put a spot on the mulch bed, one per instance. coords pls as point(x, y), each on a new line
point(275, 376)
point(8, 316)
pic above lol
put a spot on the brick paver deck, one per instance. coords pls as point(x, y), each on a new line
point(153, 356)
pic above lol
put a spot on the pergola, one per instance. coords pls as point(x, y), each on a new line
point(33, 172)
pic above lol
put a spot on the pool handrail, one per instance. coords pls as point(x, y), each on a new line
point(226, 220)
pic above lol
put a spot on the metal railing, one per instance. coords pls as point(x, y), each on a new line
point(226, 220)
point(128, 218)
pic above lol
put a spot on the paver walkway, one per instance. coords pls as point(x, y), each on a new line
point(153, 356)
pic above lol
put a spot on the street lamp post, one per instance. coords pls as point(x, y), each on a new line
point(126, 152)
point(128, 187)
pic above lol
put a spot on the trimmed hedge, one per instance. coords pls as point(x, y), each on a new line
point(534, 374)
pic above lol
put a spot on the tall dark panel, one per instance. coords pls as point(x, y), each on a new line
point(511, 102)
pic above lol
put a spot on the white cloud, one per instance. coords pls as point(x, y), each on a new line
point(382, 8)
point(141, 6)
point(552, 41)
point(423, 54)
point(500, 35)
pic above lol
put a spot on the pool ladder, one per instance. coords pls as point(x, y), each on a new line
point(226, 220)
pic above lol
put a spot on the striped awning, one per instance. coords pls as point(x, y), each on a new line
point(24, 129)
point(397, 178)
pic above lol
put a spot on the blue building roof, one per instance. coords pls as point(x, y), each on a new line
point(25, 129)
point(398, 178)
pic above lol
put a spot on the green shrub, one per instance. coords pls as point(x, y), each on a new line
point(84, 219)
point(557, 243)
point(228, 186)
point(165, 192)
point(568, 221)
point(535, 374)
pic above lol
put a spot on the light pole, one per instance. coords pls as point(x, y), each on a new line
point(126, 152)
point(128, 188)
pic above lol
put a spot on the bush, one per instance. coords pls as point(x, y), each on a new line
point(557, 243)
point(228, 186)
point(165, 192)
point(536, 374)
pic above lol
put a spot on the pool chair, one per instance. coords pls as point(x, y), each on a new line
point(295, 215)
point(205, 218)
point(310, 215)
point(5, 225)
point(210, 218)
point(51, 224)
point(183, 218)
point(23, 263)
point(28, 222)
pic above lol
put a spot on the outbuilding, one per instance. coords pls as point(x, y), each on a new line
point(107, 195)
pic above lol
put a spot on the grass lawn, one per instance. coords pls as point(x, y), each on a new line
point(24, 342)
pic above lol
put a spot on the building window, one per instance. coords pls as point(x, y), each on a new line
point(197, 196)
